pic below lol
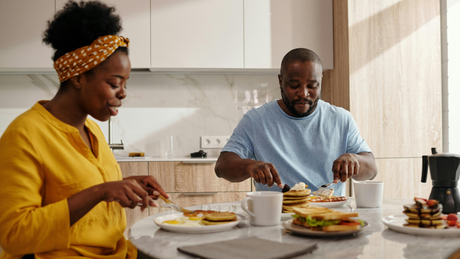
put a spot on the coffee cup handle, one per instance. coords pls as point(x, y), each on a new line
point(244, 206)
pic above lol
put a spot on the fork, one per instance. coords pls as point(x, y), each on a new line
point(327, 185)
point(323, 188)
point(171, 204)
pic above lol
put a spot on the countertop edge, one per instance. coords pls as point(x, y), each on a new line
point(164, 159)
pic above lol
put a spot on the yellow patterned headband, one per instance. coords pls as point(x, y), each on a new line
point(79, 61)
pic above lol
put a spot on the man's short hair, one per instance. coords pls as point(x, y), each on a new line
point(300, 54)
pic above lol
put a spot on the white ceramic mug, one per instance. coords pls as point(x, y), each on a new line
point(368, 194)
point(264, 208)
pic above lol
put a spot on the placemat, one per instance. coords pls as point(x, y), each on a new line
point(247, 248)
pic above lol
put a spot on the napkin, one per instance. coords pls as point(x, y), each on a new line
point(251, 247)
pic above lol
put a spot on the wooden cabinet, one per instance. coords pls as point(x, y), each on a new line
point(196, 34)
point(130, 169)
point(187, 185)
point(274, 27)
point(135, 18)
point(185, 177)
point(22, 23)
point(195, 184)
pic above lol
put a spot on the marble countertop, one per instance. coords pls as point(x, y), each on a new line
point(375, 241)
point(164, 159)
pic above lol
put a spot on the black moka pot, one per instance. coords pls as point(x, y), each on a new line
point(445, 170)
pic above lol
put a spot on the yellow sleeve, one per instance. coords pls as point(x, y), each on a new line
point(132, 251)
point(26, 226)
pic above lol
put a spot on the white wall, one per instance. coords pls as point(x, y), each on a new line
point(158, 105)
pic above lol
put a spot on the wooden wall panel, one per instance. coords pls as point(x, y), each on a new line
point(395, 75)
point(401, 177)
point(335, 84)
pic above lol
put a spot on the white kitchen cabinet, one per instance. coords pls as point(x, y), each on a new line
point(135, 18)
point(274, 27)
point(22, 23)
point(197, 34)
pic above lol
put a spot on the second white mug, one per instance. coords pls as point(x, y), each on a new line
point(368, 194)
point(264, 208)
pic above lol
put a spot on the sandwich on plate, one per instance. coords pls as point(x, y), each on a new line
point(325, 219)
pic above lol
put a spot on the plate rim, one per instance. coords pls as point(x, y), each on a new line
point(306, 232)
point(417, 231)
point(191, 230)
point(332, 203)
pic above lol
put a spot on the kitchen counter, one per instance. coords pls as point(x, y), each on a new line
point(375, 241)
point(164, 159)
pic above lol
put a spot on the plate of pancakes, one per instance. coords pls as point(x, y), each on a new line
point(295, 199)
point(207, 223)
point(422, 218)
point(397, 222)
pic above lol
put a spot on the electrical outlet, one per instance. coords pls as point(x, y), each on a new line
point(214, 141)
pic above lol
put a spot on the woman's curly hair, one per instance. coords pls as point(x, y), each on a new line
point(79, 24)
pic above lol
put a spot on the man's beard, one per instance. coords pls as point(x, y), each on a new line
point(291, 108)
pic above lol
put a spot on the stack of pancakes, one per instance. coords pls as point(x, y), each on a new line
point(218, 218)
point(295, 199)
point(424, 214)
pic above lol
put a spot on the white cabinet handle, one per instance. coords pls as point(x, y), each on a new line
point(199, 193)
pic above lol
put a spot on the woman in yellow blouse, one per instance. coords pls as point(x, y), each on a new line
point(61, 189)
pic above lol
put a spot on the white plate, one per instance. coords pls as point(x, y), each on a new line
point(395, 223)
point(193, 230)
point(332, 204)
point(286, 216)
point(307, 232)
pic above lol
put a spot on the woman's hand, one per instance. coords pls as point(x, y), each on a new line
point(127, 192)
point(149, 184)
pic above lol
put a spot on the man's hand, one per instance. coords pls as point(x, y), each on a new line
point(264, 173)
point(346, 166)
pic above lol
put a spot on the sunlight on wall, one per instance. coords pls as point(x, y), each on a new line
point(453, 40)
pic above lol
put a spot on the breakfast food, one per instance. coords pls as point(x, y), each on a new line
point(221, 216)
point(296, 197)
point(294, 201)
point(323, 199)
point(290, 208)
point(452, 220)
point(324, 219)
point(198, 213)
point(424, 214)
point(208, 218)
point(326, 193)
point(186, 222)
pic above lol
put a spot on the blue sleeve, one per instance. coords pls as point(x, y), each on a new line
point(355, 143)
point(240, 142)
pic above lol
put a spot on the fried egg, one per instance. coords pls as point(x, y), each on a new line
point(186, 222)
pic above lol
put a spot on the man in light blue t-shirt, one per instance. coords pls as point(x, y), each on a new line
point(299, 138)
